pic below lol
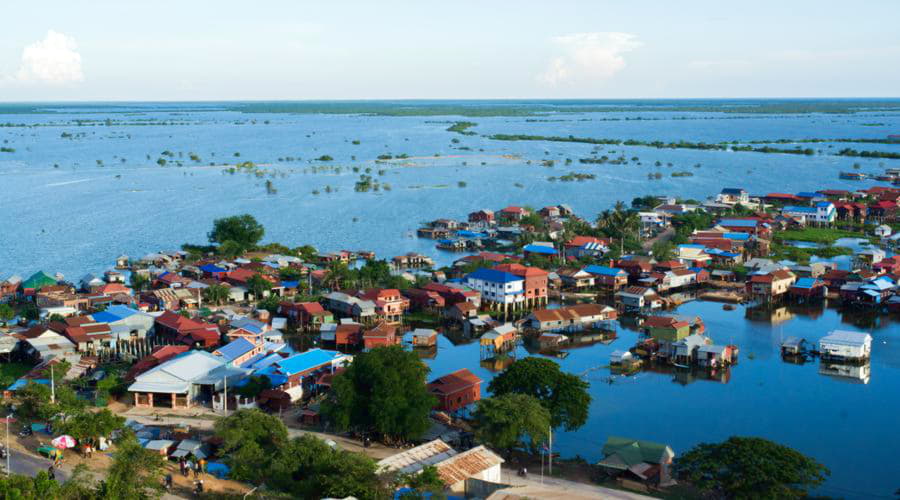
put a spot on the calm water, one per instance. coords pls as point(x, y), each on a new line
point(64, 212)
point(848, 425)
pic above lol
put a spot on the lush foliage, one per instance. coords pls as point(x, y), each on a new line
point(308, 468)
point(243, 230)
point(563, 394)
point(744, 467)
point(250, 439)
point(512, 421)
point(136, 473)
point(382, 391)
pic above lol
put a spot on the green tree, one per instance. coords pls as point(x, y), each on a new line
point(512, 421)
point(216, 294)
point(270, 304)
point(746, 467)
point(21, 487)
point(250, 441)
point(231, 249)
point(427, 483)
point(336, 276)
point(87, 425)
point(255, 385)
point(308, 468)
point(563, 394)
point(135, 473)
point(258, 285)
point(138, 281)
point(383, 391)
point(6, 312)
point(289, 273)
point(662, 250)
point(241, 229)
point(34, 401)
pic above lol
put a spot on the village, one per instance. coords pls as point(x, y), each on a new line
point(174, 342)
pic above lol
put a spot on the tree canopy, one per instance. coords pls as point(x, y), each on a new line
point(307, 467)
point(382, 391)
point(243, 230)
point(511, 421)
point(136, 473)
point(563, 394)
point(250, 439)
point(748, 467)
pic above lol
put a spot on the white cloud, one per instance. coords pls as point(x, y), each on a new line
point(588, 56)
point(53, 60)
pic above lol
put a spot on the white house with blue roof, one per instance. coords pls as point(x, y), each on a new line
point(498, 288)
point(822, 212)
point(183, 380)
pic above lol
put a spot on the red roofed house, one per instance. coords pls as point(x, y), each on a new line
point(482, 216)
point(454, 295)
point(512, 214)
point(768, 287)
point(536, 282)
point(160, 354)
point(426, 300)
point(187, 331)
point(305, 314)
point(456, 390)
point(586, 246)
point(882, 211)
point(380, 336)
point(389, 304)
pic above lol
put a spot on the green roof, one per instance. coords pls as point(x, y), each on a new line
point(632, 452)
point(38, 280)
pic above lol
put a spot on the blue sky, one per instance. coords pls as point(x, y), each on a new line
point(199, 50)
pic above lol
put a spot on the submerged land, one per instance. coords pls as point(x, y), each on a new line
point(461, 245)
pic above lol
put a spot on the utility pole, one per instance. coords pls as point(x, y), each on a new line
point(225, 407)
point(52, 386)
point(8, 449)
point(550, 459)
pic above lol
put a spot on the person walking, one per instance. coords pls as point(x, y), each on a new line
point(181, 466)
point(196, 470)
point(51, 471)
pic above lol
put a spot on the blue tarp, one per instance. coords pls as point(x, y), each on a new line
point(218, 469)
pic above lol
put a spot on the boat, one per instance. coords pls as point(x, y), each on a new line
point(852, 176)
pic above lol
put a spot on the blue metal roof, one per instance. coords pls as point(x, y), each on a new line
point(603, 270)
point(251, 325)
point(808, 194)
point(732, 191)
point(806, 283)
point(212, 268)
point(803, 210)
point(235, 348)
point(541, 249)
point(113, 313)
point(690, 245)
point(736, 236)
point(309, 360)
point(493, 276)
point(290, 284)
point(737, 223)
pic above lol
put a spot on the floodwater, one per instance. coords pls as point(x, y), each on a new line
point(78, 191)
point(846, 421)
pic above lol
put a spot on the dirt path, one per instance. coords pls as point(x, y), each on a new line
point(666, 235)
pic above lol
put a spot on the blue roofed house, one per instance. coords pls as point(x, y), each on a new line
point(808, 288)
point(126, 323)
point(608, 278)
point(875, 292)
point(214, 271)
point(498, 289)
point(731, 196)
point(822, 213)
point(544, 250)
point(300, 372)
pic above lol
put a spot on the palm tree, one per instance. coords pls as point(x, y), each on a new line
point(216, 294)
point(618, 223)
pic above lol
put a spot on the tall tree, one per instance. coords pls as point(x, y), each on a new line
point(747, 467)
point(382, 391)
point(258, 285)
point(563, 394)
point(136, 473)
point(250, 440)
point(309, 468)
point(216, 294)
point(241, 229)
point(512, 421)
point(138, 281)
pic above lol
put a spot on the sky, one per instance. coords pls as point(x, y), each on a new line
point(422, 49)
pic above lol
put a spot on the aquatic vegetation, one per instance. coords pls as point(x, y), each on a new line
point(869, 154)
point(461, 184)
point(682, 174)
point(462, 128)
point(325, 158)
point(5, 149)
